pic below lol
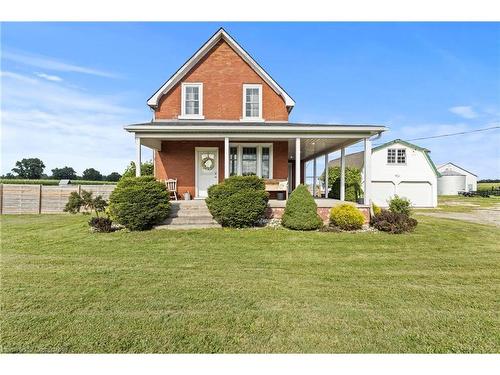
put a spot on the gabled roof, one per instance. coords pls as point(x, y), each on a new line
point(188, 65)
point(463, 169)
point(415, 147)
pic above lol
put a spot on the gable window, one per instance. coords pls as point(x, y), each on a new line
point(192, 101)
point(247, 159)
point(252, 102)
point(396, 156)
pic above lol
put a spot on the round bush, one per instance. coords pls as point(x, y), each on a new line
point(139, 203)
point(393, 222)
point(346, 217)
point(301, 211)
point(238, 201)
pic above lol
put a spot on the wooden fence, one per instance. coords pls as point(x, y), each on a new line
point(41, 199)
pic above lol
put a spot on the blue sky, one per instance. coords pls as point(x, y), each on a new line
point(69, 88)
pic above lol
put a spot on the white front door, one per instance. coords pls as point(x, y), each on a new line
point(206, 170)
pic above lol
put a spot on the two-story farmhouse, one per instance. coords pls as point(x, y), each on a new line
point(222, 114)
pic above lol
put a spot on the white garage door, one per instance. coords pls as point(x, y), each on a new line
point(382, 191)
point(419, 193)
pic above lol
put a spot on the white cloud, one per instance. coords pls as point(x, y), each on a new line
point(464, 111)
point(63, 125)
point(48, 63)
point(49, 77)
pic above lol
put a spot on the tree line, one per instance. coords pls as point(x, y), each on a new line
point(33, 169)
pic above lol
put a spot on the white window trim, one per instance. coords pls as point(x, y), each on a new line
point(183, 115)
point(259, 146)
point(244, 112)
point(396, 156)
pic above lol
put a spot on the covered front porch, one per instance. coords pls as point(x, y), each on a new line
point(198, 154)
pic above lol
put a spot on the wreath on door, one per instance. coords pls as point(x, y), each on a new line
point(207, 163)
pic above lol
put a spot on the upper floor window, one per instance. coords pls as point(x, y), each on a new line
point(252, 102)
point(396, 156)
point(192, 101)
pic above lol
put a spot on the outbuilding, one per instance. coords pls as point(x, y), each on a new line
point(455, 179)
point(399, 168)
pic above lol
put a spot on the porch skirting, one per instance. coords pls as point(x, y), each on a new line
point(275, 209)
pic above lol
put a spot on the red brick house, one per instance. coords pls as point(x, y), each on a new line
point(221, 114)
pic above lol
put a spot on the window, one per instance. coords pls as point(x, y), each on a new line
point(396, 156)
point(249, 161)
point(401, 156)
point(233, 161)
point(265, 162)
point(246, 159)
point(192, 101)
point(252, 102)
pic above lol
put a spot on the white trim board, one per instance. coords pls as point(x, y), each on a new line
point(188, 65)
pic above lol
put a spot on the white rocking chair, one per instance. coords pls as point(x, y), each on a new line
point(171, 184)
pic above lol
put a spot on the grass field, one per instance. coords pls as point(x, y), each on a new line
point(487, 185)
point(52, 182)
point(67, 290)
point(459, 203)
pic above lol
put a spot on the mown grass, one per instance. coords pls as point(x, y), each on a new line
point(67, 290)
point(51, 182)
point(459, 203)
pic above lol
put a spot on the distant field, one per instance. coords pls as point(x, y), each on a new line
point(487, 185)
point(53, 182)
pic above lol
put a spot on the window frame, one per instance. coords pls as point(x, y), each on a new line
point(244, 116)
point(396, 152)
point(239, 165)
point(183, 114)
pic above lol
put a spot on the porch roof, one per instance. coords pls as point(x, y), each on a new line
point(265, 127)
point(316, 139)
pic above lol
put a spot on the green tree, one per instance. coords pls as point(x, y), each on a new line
point(353, 190)
point(63, 173)
point(31, 168)
point(113, 176)
point(147, 169)
point(86, 201)
point(91, 174)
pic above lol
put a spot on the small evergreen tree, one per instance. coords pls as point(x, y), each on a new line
point(301, 211)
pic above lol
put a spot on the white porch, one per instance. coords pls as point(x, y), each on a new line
point(305, 143)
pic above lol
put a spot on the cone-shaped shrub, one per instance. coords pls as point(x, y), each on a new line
point(301, 211)
point(139, 203)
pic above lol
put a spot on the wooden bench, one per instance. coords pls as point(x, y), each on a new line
point(277, 185)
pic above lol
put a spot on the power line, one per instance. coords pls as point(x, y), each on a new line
point(443, 135)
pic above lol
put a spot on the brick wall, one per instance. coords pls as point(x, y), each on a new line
point(177, 160)
point(223, 73)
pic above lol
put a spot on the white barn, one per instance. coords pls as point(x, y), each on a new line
point(399, 168)
point(455, 179)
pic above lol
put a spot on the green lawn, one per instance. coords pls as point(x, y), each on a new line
point(64, 289)
point(459, 203)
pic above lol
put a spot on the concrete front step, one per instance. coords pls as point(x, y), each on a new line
point(187, 226)
point(190, 220)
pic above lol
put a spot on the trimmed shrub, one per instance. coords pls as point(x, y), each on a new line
point(301, 211)
point(376, 209)
point(101, 224)
point(346, 217)
point(400, 205)
point(353, 190)
point(139, 203)
point(238, 201)
point(393, 222)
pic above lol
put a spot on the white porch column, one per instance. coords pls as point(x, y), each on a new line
point(137, 157)
point(326, 175)
point(314, 177)
point(342, 174)
point(297, 162)
point(368, 170)
point(226, 157)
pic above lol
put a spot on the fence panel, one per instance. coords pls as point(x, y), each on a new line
point(54, 198)
point(20, 199)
